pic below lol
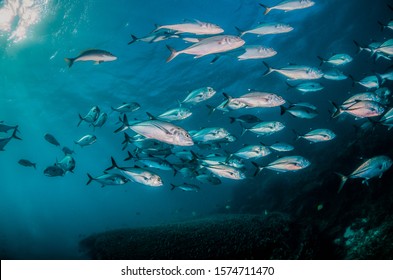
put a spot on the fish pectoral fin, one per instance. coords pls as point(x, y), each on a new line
point(198, 56)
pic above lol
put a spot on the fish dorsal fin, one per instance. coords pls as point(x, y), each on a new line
point(151, 117)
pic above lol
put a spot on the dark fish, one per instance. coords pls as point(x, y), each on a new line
point(51, 139)
point(67, 151)
point(245, 119)
point(5, 127)
point(27, 163)
point(98, 56)
point(54, 171)
point(4, 141)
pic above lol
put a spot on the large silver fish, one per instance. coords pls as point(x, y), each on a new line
point(86, 140)
point(199, 95)
point(265, 128)
point(98, 56)
point(267, 29)
point(225, 171)
point(386, 48)
point(67, 163)
point(337, 59)
point(256, 99)
point(370, 82)
point(373, 167)
point(318, 135)
point(284, 164)
point(176, 114)
point(253, 151)
point(197, 28)
point(256, 52)
point(210, 134)
point(296, 72)
point(159, 130)
point(289, 5)
point(360, 109)
point(211, 45)
point(91, 116)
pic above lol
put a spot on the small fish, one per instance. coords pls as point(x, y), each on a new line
point(86, 140)
point(211, 45)
point(6, 140)
point(307, 87)
point(108, 179)
point(318, 135)
point(151, 162)
point(67, 163)
point(284, 164)
point(334, 74)
point(267, 28)
point(373, 167)
point(301, 112)
point(67, 151)
point(154, 37)
point(360, 109)
point(386, 48)
point(289, 5)
point(91, 116)
point(388, 25)
point(210, 134)
point(253, 151)
point(199, 95)
point(365, 96)
point(225, 171)
point(101, 120)
point(208, 179)
point(5, 128)
point(281, 147)
point(176, 114)
point(27, 163)
point(296, 72)
point(159, 130)
point(98, 56)
point(337, 59)
point(186, 187)
point(54, 171)
point(245, 119)
point(370, 82)
point(127, 107)
point(51, 139)
point(196, 27)
point(265, 128)
point(257, 99)
point(256, 52)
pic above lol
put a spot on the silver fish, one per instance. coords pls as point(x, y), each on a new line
point(101, 120)
point(151, 162)
point(370, 82)
point(211, 45)
point(296, 72)
point(256, 99)
point(91, 116)
point(253, 151)
point(210, 134)
point(284, 164)
point(386, 48)
point(318, 135)
point(138, 175)
point(360, 109)
point(337, 59)
point(282, 147)
point(199, 95)
point(265, 128)
point(98, 56)
point(108, 179)
point(289, 5)
point(307, 87)
point(301, 112)
point(186, 187)
point(267, 28)
point(86, 140)
point(176, 114)
point(127, 107)
point(334, 74)
point(225, 171)
point(256, 52)
point(67, 163)
point(197, 28)
point(373, 167)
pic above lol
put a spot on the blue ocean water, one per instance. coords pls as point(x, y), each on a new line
point(45, 217)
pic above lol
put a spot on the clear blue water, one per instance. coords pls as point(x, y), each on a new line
point(44, 217)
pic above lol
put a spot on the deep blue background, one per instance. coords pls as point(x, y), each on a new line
point(43, 217)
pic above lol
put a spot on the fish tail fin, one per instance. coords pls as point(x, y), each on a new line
point(80, 120)
point(174, 53)
point(244, 130)
point(173, 187)
point(353, 80)
point(157, 27)
point(267, 9)
point(127, 139)
point(211, 109)
point(35, 165)
point(322, 60)
point(258, 168)
point(133, 39)
point(15, 136)
point(228, 98)
point(382, 25)
point(343, 181)
point(359, 47)
point(90, 179)
point(124, 125)
point(269, 69)
point(240, 31)
point(130, 156)
point(114, 165)
point(282, 110)
point(232, 119)
point(70, 61)
point(337, 110)
point(297, 135)
point(174, 171)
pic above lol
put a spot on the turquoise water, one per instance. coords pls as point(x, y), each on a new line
point(45, 217)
